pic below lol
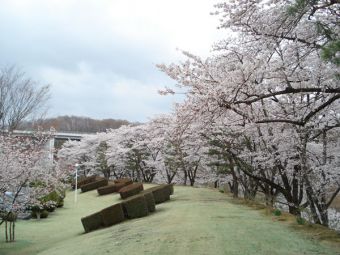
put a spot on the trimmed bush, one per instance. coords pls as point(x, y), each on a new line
point(94, 185)
point(106, 190)
point(92, 222)
point(112, 215)
point(127, 181)
point(169, 188)
point(150, 201)
point(130, 190)
point(110, 188)
point(60, 204)
point(43, 214)
point(83, 181)
point(135, 207)
point(161, 193)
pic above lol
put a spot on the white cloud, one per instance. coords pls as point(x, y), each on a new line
point(104, 52)
point(87, 92)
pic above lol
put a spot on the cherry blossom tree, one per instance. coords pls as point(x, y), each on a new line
point(81, 152)
point(274, 96)
point(26, 175)
point(138, 149)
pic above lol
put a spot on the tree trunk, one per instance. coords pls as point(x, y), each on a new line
point(313, 209)
point(6, 230)
point(324, 217)
point(10, 231)
point(13, 229)
point(192, 182)
point(235, 188)
point(185, 177)
point(235, 183)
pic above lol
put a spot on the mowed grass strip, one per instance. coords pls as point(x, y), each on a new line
point(194, 221)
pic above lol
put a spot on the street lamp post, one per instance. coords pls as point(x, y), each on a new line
point(76, 186)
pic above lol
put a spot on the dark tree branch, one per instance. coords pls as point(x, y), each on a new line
point(307, 118)
point(288, 91)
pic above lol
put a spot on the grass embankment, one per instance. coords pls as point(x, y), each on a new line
point(195, 221)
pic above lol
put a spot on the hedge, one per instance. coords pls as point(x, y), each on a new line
point(127, 181)
point(92, 222)
point(135, 207)
point(161, 193)
point(111, 188)
point(130, 190)
point(169, 188)
point(84, 180)
point(112, 215)
point(94, 185)
point(150, 201)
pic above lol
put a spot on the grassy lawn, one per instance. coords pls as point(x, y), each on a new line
point(195, 221)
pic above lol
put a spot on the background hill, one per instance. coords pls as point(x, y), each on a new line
point(75, 124)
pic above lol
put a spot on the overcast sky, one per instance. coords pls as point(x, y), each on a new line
point(99, 55)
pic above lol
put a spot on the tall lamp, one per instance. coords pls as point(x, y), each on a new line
point(76, 186)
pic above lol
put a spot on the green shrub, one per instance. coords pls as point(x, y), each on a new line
point(43, 214)
point(127, 181)
point(50, 206)
point(92, 222)
point(84, 180)
point(106, 190)
point(135, 207)
point(94, 185)
point(150, 201)
point(277, 212)
point(119, 186)
point(112, 215)
point(110, 188)
point(161, 193)
point(55, 196)
point(130, 190)
point(300, 220)
point(169, 188)
point(50, 209)
point(60, 204)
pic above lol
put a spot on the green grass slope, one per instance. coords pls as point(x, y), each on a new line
point(195, 221)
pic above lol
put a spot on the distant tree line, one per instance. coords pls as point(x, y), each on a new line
point(74, 124)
